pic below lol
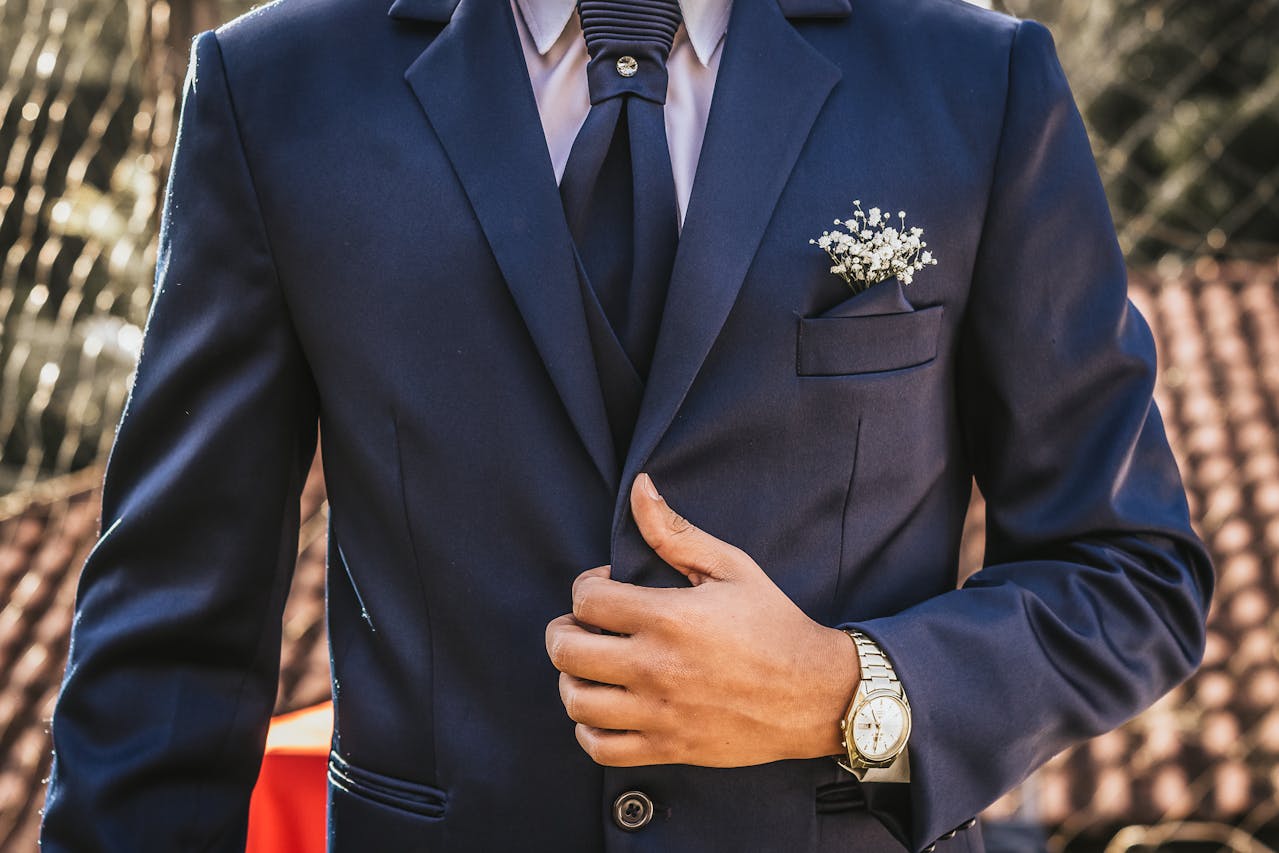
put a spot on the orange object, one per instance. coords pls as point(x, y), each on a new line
point(286, 813)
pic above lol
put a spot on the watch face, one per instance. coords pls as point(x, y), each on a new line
point(880, 727)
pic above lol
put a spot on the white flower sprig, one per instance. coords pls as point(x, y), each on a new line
point(873, 249)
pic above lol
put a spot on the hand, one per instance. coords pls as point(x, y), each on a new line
point(726, 673)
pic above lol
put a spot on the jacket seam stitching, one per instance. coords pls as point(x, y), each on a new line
point(248, 169)
point(280, 586)
point(1000, 141)
point(423, 594)
point(962, 326)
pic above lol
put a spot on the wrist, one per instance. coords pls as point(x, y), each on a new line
point(837, 676)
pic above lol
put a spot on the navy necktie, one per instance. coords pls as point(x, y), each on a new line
point(617, 188)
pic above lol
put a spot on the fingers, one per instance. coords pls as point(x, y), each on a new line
point(604, 706)
point(597, 572)
point(616, 749)
point(616, 606)
point(686, 547)
point(577, 650)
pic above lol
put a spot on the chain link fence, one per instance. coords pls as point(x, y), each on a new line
point(1182, 101)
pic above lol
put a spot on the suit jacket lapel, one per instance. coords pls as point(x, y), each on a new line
point(474, 86)
point(770, 88)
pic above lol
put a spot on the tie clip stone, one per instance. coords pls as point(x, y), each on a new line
point(627, 66)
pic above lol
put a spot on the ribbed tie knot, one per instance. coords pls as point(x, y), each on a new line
point(628, 42)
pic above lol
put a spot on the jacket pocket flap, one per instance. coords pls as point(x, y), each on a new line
point(833, 346)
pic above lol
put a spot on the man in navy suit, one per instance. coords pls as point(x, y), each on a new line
point(691, 588)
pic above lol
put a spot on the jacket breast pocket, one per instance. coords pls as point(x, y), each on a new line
point(866, 343)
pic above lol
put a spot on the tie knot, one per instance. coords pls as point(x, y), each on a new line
point(628, 42)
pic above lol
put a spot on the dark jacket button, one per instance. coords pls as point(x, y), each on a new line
point(632, 810)
point(968, 824)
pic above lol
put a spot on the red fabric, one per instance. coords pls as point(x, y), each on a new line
point(286, 814)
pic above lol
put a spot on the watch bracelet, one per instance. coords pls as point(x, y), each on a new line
point(876, 674)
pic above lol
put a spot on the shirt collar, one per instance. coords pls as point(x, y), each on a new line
point(705, 21)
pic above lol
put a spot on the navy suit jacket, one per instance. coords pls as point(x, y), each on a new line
point(362, 230)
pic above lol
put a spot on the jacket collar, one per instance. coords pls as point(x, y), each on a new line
point(440, 11)
point(705, 21)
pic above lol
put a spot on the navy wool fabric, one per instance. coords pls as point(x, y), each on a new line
point(363, 244)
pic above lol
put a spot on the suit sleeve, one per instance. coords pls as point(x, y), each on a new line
point(160, 723)
point(1094, 589)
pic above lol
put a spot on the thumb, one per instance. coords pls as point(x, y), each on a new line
point(693, 552)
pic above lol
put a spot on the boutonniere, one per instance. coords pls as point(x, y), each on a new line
point(873, 248)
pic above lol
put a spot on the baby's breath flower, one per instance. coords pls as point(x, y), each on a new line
point(873, 250)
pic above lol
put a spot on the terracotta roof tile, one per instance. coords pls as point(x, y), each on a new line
point(43, 543)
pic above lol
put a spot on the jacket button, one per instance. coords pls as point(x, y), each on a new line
point(632, 810)
point(968, 824)
point(931, 847)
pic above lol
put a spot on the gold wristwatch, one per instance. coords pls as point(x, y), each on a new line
point(876, 725)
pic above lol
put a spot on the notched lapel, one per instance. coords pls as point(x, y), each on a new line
point(811, 8)
point(437, 11)
point(474, 86)
point(770, 88)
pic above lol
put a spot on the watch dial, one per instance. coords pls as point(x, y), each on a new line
point(878, 727)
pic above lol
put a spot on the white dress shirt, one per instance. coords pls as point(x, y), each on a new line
point(555, 52)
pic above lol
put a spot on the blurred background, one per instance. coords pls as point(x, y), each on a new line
point(1182, 100)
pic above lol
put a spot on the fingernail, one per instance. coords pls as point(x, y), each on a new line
point(649, 488)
